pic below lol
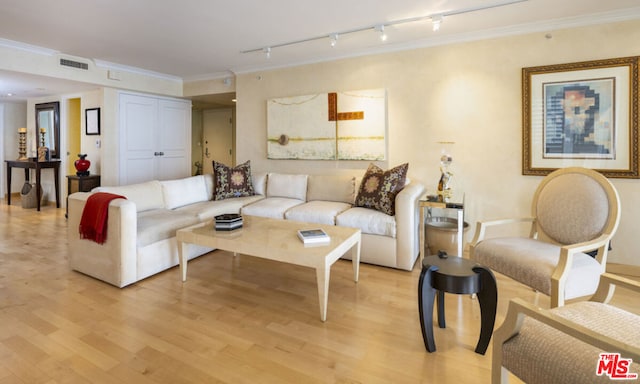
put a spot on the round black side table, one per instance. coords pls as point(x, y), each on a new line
point(454, 274)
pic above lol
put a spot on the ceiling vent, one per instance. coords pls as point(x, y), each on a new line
point(74, 64)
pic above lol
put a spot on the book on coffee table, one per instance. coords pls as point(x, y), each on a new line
point(313, 236)
point(228, 222)
point(228, 218)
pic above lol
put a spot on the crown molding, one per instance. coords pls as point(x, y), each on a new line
point(27, 47)
point(139, 71)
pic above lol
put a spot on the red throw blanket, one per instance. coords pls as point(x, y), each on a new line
point(93, 225)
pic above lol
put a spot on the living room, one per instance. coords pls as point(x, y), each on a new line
point(467, 92)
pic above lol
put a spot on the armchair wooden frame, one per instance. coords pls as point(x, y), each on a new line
point(567, 252)
point(519, 309)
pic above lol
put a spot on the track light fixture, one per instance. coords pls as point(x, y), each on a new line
point(333, 39)
point(435, 18)
point(380, 29)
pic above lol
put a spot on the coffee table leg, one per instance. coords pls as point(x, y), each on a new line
point(426, 297)
point(355, 260)
point(488, 299)
point(322, 275)
point(182, 258)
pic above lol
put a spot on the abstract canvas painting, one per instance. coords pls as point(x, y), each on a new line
point(328, 126)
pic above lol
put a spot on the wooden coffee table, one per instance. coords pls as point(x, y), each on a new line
point(277, 240)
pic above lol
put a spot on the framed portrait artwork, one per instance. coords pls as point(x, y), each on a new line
point(92, 121)
point(581, 114)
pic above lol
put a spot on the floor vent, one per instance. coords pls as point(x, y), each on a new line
point(74, 64)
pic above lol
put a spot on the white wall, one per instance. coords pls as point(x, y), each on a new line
point(12, 117)
point(469, 93)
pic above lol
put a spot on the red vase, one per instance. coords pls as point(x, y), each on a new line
point(82, 165)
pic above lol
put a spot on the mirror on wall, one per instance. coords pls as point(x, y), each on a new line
point(48, 127)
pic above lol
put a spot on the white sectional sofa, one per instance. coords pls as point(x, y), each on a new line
point(141, 229)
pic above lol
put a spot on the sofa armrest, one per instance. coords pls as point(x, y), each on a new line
point(407, 224)
point(114, 261)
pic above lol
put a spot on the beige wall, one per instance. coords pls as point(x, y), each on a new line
point(469, 93)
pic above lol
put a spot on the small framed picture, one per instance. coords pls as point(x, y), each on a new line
point(92, 121)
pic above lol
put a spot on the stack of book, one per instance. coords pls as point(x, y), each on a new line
point(313, 236)
point(228, 222)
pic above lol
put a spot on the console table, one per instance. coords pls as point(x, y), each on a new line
point(38, 166)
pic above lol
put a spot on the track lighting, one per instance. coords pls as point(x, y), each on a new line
point(436, 20)
point(380, 29)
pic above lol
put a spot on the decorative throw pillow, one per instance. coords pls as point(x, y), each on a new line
point(232, 181)
point(379, 188)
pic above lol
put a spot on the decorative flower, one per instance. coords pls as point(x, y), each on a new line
point(371, 184)
point(237, 178)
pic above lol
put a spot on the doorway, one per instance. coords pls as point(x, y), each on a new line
point(73, 134)
point(217, 138)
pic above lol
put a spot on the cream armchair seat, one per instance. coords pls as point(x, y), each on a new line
point(575, 210)
point(563, 345)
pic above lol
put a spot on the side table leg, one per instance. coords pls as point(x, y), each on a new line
point(441, 322)
point(38, 194)
point(56, 183)
point(9, 184)
point(488, 299)
point(426, 297)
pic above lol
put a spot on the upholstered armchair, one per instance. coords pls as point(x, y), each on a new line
point(574, 211)
point(563, 345)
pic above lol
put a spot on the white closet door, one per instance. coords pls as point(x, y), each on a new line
point(155, 138)
point(138, 137)
point(174, 139)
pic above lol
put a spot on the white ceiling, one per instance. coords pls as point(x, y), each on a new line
point(198, 39)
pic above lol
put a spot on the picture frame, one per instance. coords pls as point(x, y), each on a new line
point(92, 121)
point(581, 114)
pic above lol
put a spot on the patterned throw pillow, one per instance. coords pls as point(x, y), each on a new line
point(379, 188)
point(232, 181)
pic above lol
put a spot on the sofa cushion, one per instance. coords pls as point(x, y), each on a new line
point(321, 212)
point(331, 188)
point(232, 181)
point(379, 188)
point(210, 184)
point(289, 186)
point(207, 210)
point(273, 207)
point(146, 196)
point(369, 221)
point(181, 192)
point(259, 183)
point(160, 224)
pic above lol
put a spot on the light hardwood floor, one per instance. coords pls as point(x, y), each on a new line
point(235, 320)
